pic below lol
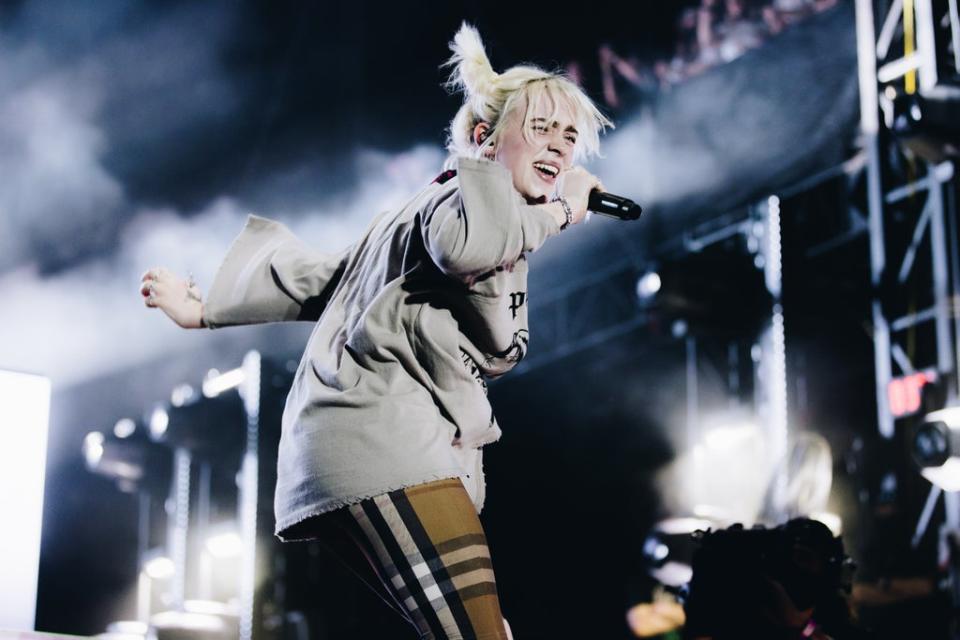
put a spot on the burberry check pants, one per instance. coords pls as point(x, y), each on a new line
point(423, 550)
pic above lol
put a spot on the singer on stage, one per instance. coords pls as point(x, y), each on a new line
point(383, 429)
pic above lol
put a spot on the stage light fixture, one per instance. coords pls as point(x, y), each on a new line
point(93, 449)
point(667, 550)
point(181, 395)
point(159, 420)
point(726, 466)
point(226, 544)
point(159, 567)
point(729, 437)
point(217, 383)
point(113, 459)
point(128, 460)
point(936, 448)
point(679, 328)
point(655, 550)
point(648, 285)
point(124, 428)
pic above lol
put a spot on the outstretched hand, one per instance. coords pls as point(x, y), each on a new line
point(178, 298)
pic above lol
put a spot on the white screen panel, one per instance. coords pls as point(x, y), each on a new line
point(24, 412)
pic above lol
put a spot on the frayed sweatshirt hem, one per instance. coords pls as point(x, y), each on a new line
point(326, 506)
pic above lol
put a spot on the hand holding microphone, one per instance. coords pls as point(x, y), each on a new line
point(575, 185)
point(584, 192)
point(613, 206)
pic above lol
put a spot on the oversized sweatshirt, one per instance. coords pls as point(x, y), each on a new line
point(410, 321)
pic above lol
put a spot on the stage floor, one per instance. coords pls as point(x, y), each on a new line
point(31, 635)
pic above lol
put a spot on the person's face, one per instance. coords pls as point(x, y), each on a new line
point(537, 159)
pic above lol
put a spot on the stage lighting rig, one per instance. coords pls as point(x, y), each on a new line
point(714, 288)
point(127, 456)
point(667, 550)
point(929, 124)
point(200, 423)
point(936, 448)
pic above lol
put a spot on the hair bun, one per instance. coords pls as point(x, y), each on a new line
point(472, 72)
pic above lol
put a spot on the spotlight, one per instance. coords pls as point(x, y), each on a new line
point(225, 545)
point(931, 444)
point(159, 420)
point(936, 448)
point(181, 395)
point(656, 551)
point(667, 550)
point(679, 328)
point(93, 449)
point(729, 437)
point(648, 285)
point(127, 460)
point(124, 428)
point(159, 567)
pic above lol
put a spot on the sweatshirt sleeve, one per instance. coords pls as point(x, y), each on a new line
point(269, 275)
point(484, 223)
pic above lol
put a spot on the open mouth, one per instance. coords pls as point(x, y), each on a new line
point(547, 171)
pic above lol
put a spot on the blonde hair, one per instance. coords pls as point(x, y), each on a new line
point(492, 97)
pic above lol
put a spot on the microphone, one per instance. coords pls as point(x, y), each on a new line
point(613, 206)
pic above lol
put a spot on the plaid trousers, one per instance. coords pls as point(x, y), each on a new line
point(423, 551)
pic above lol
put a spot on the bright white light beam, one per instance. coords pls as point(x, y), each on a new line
point(24, 416)
point(215, 385)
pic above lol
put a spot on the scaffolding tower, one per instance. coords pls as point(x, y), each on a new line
point(892, 261)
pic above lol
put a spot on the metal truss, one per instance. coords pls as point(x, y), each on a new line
point(592, 310)
point(584, 313)
point(892, 266)
point(250, 392)
point(602, 306)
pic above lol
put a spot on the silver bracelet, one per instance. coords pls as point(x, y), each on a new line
point(567, 212)
point(191, 283)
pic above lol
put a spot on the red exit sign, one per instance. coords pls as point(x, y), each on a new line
point(904, 394)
